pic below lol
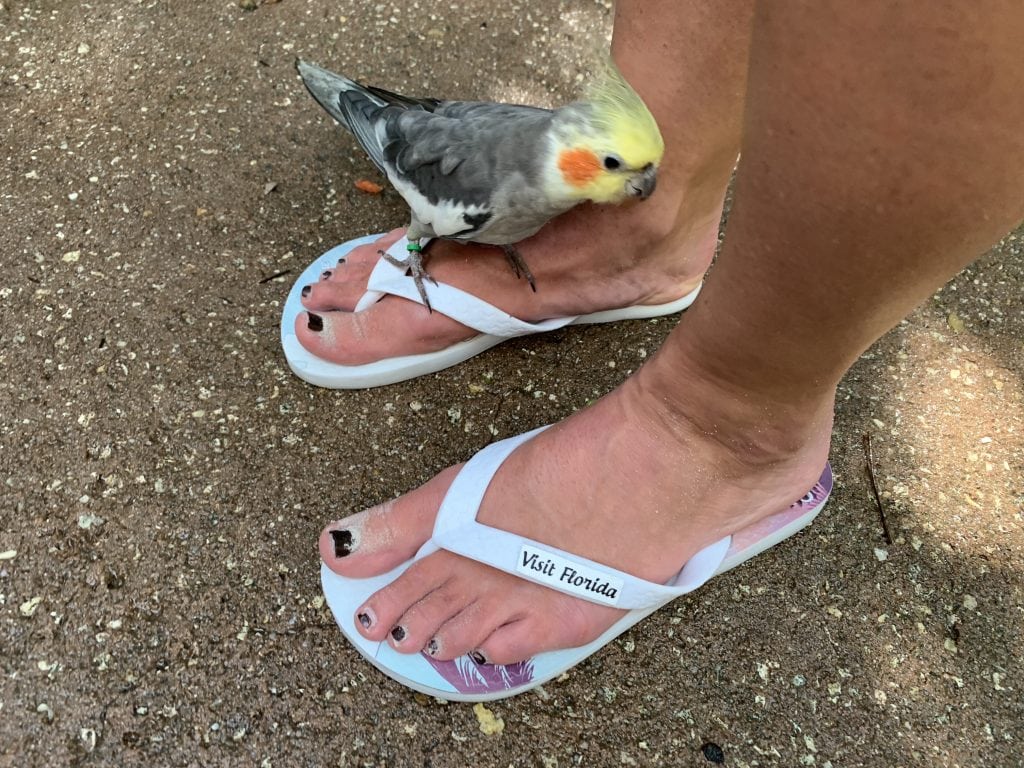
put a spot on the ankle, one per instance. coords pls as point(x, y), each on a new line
point(754, 428)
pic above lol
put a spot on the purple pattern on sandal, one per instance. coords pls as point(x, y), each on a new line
point(814, 497)
point(466, 676)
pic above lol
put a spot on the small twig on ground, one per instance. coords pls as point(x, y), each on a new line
point(274, 276)
point(874, 487)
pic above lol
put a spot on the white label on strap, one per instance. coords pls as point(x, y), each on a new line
point(568, 575)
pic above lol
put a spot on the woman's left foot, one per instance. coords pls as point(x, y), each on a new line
point(626, 482)
point(590, 259)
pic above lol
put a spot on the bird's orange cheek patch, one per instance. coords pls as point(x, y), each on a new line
point(578, 166)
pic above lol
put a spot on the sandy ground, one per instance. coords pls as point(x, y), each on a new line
point(163, 179)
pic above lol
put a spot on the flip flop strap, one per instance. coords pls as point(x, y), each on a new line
point(481, 316)
point(457, 530)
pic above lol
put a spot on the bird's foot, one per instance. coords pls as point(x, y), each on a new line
point(413, 263)
point(518, 264)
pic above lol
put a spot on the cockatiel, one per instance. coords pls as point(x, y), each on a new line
point(490, 173)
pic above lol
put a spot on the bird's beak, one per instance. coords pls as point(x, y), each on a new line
point(642, 184)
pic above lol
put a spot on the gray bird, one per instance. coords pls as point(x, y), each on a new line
point(482, 172)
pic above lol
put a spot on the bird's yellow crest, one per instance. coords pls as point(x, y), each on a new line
point(619, 140)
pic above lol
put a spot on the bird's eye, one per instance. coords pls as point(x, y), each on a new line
point(612, 163)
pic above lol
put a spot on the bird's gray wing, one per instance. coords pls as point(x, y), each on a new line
point(398, 99)
point(448, 159)
point(460, 153)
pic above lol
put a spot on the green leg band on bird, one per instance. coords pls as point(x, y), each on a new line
point(413, 247)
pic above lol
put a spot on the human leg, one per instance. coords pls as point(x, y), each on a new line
point(880, 154)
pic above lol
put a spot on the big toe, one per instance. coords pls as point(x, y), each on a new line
point(390, 328)
point(351, 338)
point(376, 540)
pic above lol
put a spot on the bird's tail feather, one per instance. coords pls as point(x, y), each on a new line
point(350, 103)
point(397, 99)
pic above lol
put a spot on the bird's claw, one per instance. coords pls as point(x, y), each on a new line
point(413, 264)
point(519, 266)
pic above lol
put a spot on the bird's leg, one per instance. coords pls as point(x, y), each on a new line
point(518, 265)
point(414, 264)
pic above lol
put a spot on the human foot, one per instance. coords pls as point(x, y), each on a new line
point(591, 259)
point(623, 483)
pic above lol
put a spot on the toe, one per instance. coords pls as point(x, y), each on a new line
point(417, 628)
point(341, 289)
point(369, 254)
point(554, 622)
point(403, 612)
point(348, 338)
point(375, 541)
point(341, 285)
point(390, 328)
point(466, 630)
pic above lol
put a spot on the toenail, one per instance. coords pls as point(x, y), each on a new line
point(432, 646)
point(364, 620)
point(398, 633)
point(327, 274)
point(316, 323)
point(342, 542)
point(306, 289)
point(478, 657)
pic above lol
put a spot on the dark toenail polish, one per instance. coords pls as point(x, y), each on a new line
point(478, 657)
point(341, 261)
point(432, 646)
point(316, 323)
point(327, 274)
point(398, 634)
point(342, 542)
point(306, 290)
point(364, 620)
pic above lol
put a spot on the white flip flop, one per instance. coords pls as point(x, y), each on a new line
point(493, 324)
point(456, 530)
